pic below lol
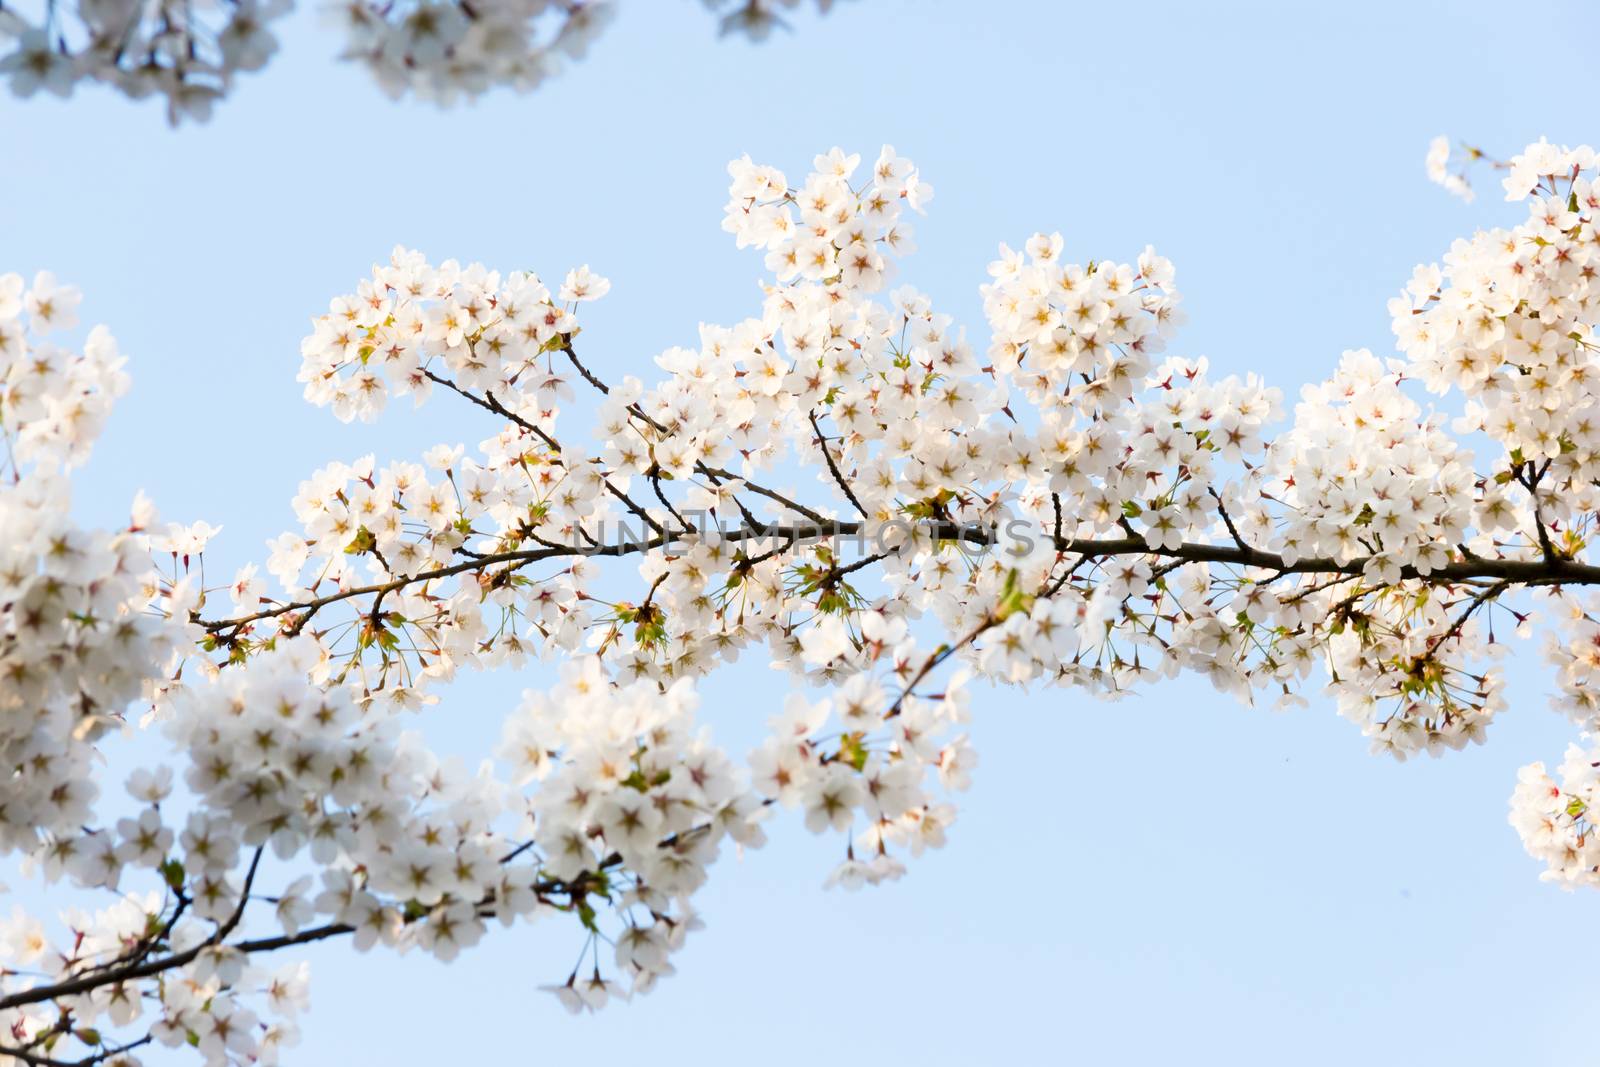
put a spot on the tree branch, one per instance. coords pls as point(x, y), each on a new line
point(1553, 571)
point(844, 486)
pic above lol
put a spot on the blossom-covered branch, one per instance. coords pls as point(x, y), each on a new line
point(1068, 507)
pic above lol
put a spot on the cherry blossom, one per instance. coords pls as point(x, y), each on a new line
point(1065, 504)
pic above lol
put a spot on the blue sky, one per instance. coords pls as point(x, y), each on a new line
point(1170, 878)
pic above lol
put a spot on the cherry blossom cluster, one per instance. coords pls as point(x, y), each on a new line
point(624, 803)
point(1554, 819)
point(862, 761)
point(213, 1002)
point(1366, 474)
point(628, 789)
point(486, 330)
point(1166, 532)
point(78, 642)
point(186, 53)
point(1066, 505)
point(1365, 483)
point(447, 50)
point(53, 401)
point(189, 54)
point(1509, 322)
point(443, 50)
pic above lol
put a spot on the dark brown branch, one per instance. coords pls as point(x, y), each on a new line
point(117, 975)
point(1478, 601)
point(605, 389)
point(488, 402)
point(714, 473)
point(1556, 571)
point(939, 655)
point(1227, 520)
point(574, 888)
point(1529, 479)
point(34, 1059)
point(838, 477)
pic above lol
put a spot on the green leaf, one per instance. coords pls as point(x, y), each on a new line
point(362, 542)
point(853, 751)
point(172, 873)
point(1012, 597)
